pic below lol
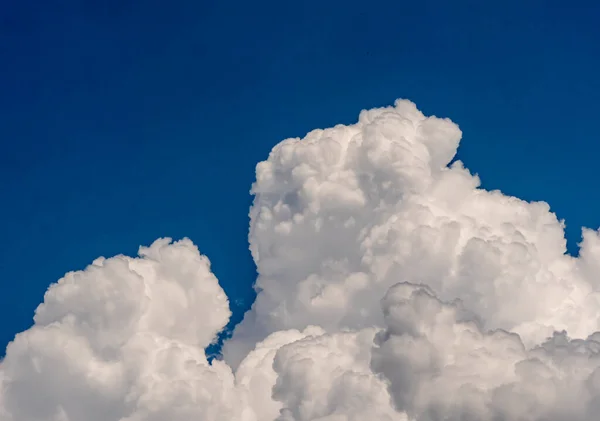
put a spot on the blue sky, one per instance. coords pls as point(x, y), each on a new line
point(129, 120)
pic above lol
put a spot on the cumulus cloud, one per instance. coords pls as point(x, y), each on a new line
point(442, 367)
point(390, 287)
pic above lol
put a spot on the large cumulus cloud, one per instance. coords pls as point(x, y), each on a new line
point(390, 287)
point(345, 213)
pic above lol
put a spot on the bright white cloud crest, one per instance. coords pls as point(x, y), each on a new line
point(391, 288)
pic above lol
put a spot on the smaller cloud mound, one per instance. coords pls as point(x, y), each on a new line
point(328, 377)
point(442, 366)
point(123, 339)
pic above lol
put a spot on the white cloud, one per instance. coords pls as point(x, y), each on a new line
point(442, 367)
point(123, 339)
point(345, 213)
point(391, 288)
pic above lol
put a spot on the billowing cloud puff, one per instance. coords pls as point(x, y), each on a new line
point(441, 365)
point(347, 212)
point(391, 287)
point(123, 339)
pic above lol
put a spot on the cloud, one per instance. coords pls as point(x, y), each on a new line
point(391, 287)
point(441, 367)
point(123, 339)
point(347, 212)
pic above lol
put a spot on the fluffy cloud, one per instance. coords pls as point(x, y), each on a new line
point(391, 287)
point(441, 365)
point(347, 212)
point(123, 339)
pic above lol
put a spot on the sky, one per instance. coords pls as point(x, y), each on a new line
point(126, 121)
point(388, 268)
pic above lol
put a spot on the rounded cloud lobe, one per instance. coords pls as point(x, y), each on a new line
point(390, 287)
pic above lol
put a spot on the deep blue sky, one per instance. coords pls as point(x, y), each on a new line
point(125, 120)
